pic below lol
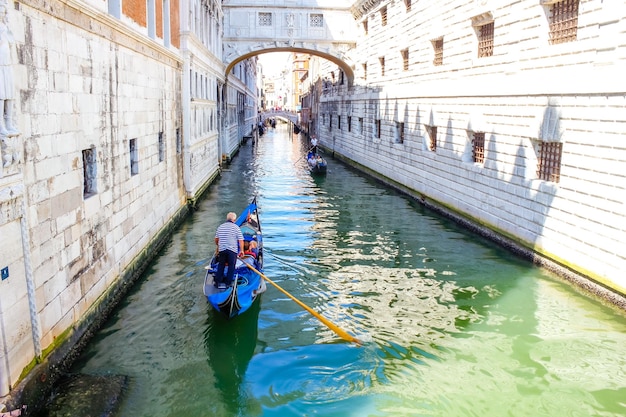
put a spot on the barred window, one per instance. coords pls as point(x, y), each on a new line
point(161, 147)
point(438, 49)
point(399, 132)
point(361, 125)
point(549, 163)
point(349, 123)
point(378, 128)
point(134, 157)
point(265, 19)
point(478, 147)
point(563, 21)
point(383, 16)
point(382, 65)
point(485, 40)
point(405, 59)
point(89, 172)
point(316, 20)
point(432, 137)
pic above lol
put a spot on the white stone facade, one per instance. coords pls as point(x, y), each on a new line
point(527, 94)
point(119, 131)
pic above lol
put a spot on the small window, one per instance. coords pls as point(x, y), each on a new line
point(365, 26)
point(383, 16)
point(179, 144)
point(134, 157)
point(485, 40)
point(338, 122)
point(349, 123)
point(365, 71)
point(316, 20)
point(399, 132)
point(407, 4)
point(405, 59)
point(382, 65)
point(563, 21)
point(438, 49)
point(90, 177)
point(478, 147)
point(432, 137)
point(265, 19)
point(549, 163)
point(361, 125)
point(378, 128)
point(161, 147)
point(330, 119)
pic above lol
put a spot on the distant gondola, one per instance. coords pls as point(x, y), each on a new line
point(296, 129)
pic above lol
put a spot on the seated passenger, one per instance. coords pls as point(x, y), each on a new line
point(250, 248)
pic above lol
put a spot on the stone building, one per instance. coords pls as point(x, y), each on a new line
point(507, 115)
point(119, 115)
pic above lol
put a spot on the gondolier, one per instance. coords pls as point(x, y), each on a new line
point(229, 241)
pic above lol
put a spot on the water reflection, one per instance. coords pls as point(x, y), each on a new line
point(230, 345)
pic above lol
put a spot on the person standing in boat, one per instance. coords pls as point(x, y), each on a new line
point(314, 144)
point(229, 241)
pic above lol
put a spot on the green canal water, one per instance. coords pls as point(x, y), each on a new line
point(453, 325)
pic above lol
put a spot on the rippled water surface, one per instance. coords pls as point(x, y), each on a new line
point(452, 324)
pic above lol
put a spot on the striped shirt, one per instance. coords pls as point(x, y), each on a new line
point(228, 235)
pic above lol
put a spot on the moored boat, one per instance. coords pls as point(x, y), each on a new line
point(248, 284)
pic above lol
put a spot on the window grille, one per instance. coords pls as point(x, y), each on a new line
point(438, 48)
point(485, 40)
point(383, 16)
point(549, 164)
point(349, 123)
point(179, 144)
point(316, 20)
point(330, 122)
point(90, 178)
point(265, 19)
point(399, 132)
point(478, 147)
point(564, 21)
point(405, 59)
point(134, 157)
point(365, 71)
point(432, 136)
point(382, 65)
point(378, 128)
point(361, 125)
point(161, 147)
point(338, 122)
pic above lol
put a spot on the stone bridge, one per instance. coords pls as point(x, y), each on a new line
point(324, 28)
point(290, 116)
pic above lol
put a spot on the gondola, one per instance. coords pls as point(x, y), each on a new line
point(247, 285)
point(317, 164)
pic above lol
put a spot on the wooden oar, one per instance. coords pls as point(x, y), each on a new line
point(342, 333)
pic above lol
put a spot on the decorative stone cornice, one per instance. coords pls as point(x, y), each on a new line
point(363, 7)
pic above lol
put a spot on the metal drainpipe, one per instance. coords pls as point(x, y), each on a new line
point(30, 281)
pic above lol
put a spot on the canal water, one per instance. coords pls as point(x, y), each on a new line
point(452, 325)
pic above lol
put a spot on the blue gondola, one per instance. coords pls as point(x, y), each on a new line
point(247, 285)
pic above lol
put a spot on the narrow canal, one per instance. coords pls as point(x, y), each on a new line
point(453, 325)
